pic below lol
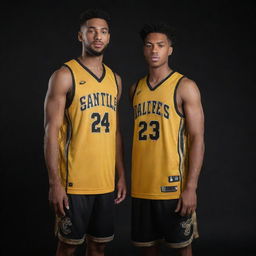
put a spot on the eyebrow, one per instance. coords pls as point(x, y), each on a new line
point(98, 28)
point(159, 42)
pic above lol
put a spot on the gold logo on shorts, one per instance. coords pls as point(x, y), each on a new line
point(187, 226)
point(65, 225)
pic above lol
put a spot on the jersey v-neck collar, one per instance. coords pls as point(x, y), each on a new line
point(99, 79)
point(161, 82)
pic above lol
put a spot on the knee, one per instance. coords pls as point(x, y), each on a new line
point(185, 251)
point(96, 248)
point(65, 249)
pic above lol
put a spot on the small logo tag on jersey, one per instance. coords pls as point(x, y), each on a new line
point(173, 178)
point(82, 82)
point(70, 184)
point(169, 189)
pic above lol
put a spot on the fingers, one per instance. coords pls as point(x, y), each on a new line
point(184, 209)
point(120, 196)
point(60, 209)
point(187, 210)
point(59, 199)
point(178, 206)
point(66, 202)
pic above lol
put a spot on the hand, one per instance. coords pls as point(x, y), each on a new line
point(121, 191)
point(58, 198)
point(187, 202)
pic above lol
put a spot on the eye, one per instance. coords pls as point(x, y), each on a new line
point(148, 45)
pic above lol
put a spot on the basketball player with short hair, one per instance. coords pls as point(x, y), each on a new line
point(168, 149)
point(83, 143)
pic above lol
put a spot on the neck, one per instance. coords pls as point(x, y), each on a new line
point(93, 61)
point(156, 74)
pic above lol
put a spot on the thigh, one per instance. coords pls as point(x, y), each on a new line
point(182, 230)
point(144, 225)
point(72, 227)
point(101, 224)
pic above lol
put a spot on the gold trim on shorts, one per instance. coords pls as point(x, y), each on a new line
point(188, 242)
point(64, 239)
point(147, 244)
point(70, 241)
point(100, 239)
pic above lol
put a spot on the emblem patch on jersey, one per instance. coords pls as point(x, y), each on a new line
point(82, 82)
point(169, 189)
point(70, 184)
point(187, 226)
point(65, 225)
point(173, 178)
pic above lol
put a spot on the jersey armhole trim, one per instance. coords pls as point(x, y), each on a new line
point(116, 84)
point(175, 101)
point(68, 140)
point(135, 89)
point(70, 95)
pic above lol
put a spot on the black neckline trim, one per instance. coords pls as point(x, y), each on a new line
point(91, 73)
point(161, 82)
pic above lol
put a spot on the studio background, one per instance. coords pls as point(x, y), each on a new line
point(215, 47)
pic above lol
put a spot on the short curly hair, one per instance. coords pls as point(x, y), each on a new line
point(157, 28)
point(94, 13)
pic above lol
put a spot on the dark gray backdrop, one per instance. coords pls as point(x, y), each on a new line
point(215, 47)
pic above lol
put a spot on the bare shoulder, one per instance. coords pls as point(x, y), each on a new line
point(119, 81)
point(132, 90)
point(118, 78)
point(188, 89)
point(60, 80)
point(119, 85)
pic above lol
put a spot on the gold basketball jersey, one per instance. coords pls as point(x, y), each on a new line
point(159, 154)
point(87, 137)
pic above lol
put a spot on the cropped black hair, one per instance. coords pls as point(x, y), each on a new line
point(158, 28)
point(94, 13)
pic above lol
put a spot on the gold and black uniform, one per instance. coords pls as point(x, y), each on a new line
point(87, 144)
point(159, 165)
point(159, 155)
point(87, 137)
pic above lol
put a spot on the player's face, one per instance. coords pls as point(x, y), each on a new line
point(95, 36)
point(157, 49)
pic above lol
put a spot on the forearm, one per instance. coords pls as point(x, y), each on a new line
point(119, 155)
point(196, 154)
point(51, 153)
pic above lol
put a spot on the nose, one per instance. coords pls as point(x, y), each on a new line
point(97, 35)
point(154, 49)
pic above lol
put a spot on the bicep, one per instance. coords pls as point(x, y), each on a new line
point(55, 100)
point(193, 109)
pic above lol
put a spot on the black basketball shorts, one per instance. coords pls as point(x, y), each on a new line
point(89, 216)
point(155, 220)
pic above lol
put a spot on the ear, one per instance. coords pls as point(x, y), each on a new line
point(80, 36)
point(108, 38)
point(170, 50)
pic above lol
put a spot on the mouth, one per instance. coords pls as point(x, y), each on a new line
point(154, 58)
point(98, 44)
